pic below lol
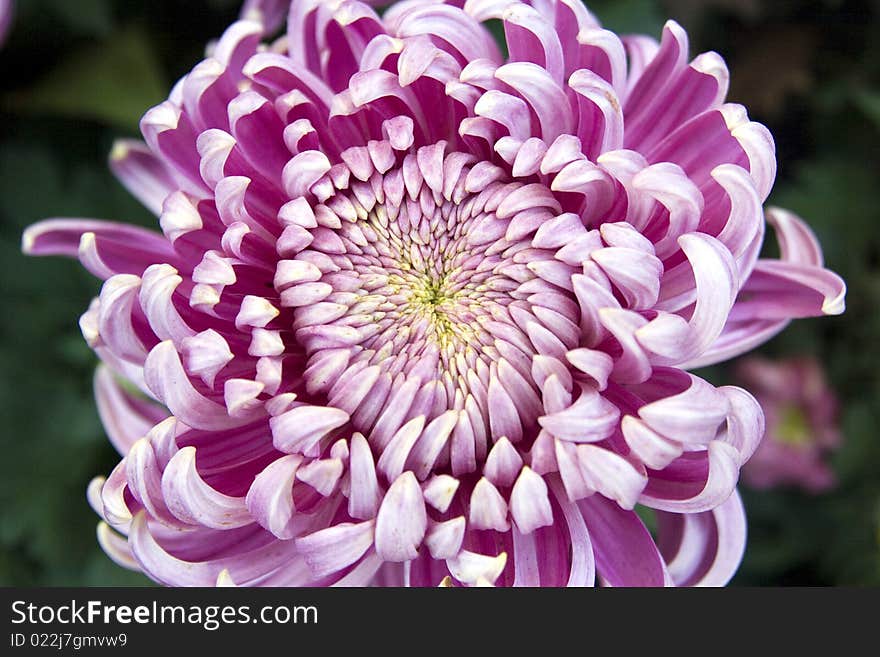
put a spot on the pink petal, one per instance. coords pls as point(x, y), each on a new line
point(530, 503)
point(624, 550)
point(332, 549)
point(298, 430)
point(705, 548)
point(142, 173)
point(402, 520)
point(192, 500)
point(488, 510)
point(270, 497)
point(168, 380)
point(125, 417)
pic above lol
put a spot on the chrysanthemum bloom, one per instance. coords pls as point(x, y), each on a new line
point(422, 313)
point(801, 415)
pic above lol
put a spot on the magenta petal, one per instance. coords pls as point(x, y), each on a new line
point(167, 379)
point(247, 567)
point(694, 482)
point(125, 417)
point(64, 237)
point(625, 552)
point(192, 500)
point(583, 565)
point(704, 549)
point(142, 173)
point(781, 290)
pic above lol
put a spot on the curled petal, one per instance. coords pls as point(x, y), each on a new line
point(109, 241)
point(692, 415)
point(545, 97)
point(142, 173)
point(440, 490)
point(488, 509)
point(402, 521)
point(116, 547)
point(167, 379)
point(529, 502)
point(303, 171)
point(590, 418)
point(704, 549)
point(652, 449)
point(143, 476)
point(633, 365)
point(270, 497)
point(595, 364)
point(600, 125)
point(583, 565)
point(671, 186)
point(636, 274)
point(322, 475)
point(126, 417)
point(503, 463)
point(611, 475)
point(365, 496)
point(695, 482)
point(745, 423)
point(471, 568)
point(780, 290)
point(157, 293)
point(797, 243)
point(206, 354)
point(113, 506)
point(444, 538)
point(193, 501)
point(117, 315)
point(757, 144)
point(332, 549)
point(260, 565)
point(716, 287)
point(298, 430)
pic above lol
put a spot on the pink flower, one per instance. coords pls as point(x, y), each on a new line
point(801, 424)
point(421, 314)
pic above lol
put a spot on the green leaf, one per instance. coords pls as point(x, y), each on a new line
point(83, 17)
point(829, 194)
point(869, 103)
point(629, 16)
point(113, 82)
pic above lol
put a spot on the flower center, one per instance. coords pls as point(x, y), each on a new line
point(793, 427)
point(414, 298)
point(430, 297)
point(410, 296)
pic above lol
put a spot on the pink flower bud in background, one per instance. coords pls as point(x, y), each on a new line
point(800, 412)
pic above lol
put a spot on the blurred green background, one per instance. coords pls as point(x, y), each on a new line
point(77, 75)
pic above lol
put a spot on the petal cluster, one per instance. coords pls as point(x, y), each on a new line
point(423, 313)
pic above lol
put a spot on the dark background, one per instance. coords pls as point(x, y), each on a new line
point(76, 75)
